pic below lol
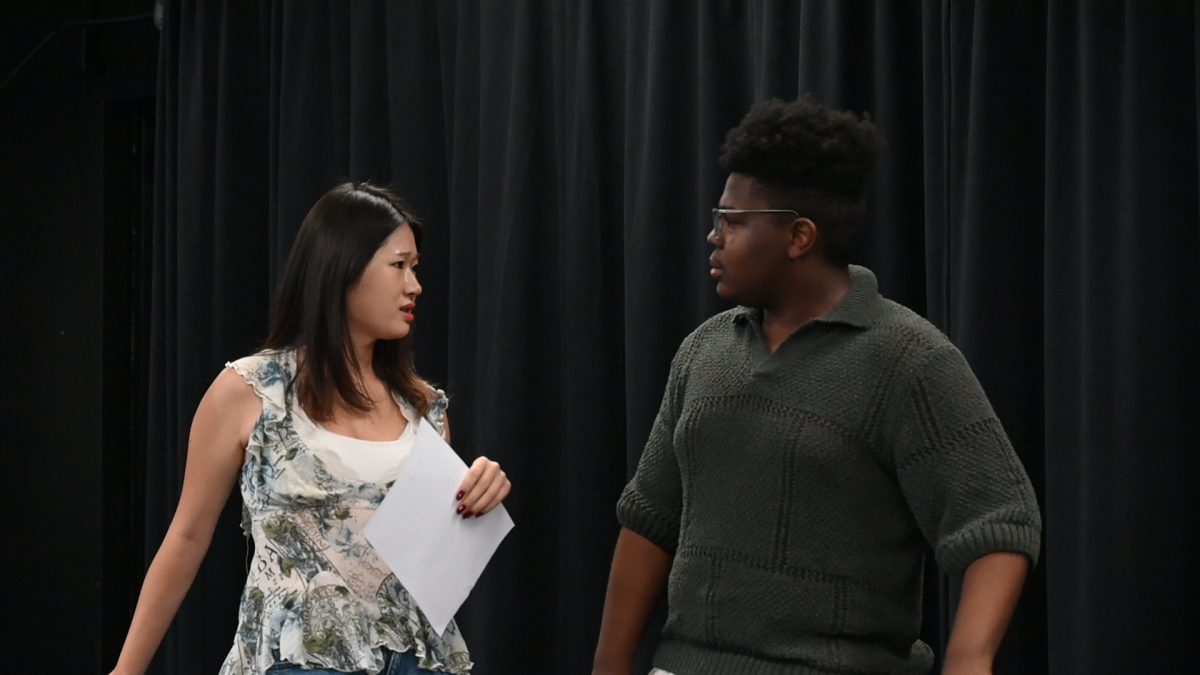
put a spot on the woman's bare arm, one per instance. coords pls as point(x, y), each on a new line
point(217, 442)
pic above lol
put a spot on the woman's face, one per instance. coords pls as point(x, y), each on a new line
point(380, 306)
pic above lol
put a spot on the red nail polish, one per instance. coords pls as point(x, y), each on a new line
point(460, 508)
point(459, 495)
point(468, 514)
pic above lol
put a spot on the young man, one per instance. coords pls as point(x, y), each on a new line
point(811, 444)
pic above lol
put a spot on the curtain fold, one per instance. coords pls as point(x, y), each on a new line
point(1037, 199)
point(1122, 286)
point(209, 286)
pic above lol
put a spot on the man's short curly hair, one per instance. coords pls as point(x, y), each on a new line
point(811, 159)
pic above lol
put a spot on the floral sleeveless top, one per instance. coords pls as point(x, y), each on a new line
point(316, 592)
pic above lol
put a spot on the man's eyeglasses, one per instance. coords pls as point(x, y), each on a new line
point(720, 217)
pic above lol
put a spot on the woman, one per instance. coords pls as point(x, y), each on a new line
point(314, 429)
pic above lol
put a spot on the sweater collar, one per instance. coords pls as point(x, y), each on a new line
point(860, 308)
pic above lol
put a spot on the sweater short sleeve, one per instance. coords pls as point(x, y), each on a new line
point(957, 469)
point(651, 502)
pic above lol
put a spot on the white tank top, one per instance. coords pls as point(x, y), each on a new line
point(354, 458)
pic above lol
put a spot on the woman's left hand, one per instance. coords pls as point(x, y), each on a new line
point(484, 487)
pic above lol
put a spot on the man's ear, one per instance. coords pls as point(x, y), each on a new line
point(804, 237)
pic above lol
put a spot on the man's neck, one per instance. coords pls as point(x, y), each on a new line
point(810, 296)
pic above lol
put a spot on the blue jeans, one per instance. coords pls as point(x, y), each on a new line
point(394, 664)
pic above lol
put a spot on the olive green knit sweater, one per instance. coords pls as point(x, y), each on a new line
point(799, 490)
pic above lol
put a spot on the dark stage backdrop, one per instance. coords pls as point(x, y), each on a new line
point(1037, 200)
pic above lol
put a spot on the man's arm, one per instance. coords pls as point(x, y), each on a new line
point(635, 584)
point(648, 510)
point(991, 588)
point(970, 496)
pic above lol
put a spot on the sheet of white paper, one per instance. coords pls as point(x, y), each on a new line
point(437, 554)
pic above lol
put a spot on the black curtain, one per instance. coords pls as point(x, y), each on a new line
point(1037, 200)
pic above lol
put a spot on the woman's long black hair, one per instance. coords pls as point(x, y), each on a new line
point(339, 236)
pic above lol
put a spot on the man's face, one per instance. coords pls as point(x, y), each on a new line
point(751, 253)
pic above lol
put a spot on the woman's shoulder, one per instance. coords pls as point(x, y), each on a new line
point(232, 396)
point(266, 359)
point(437, 402)
point(437, 396)
point(270, 372)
